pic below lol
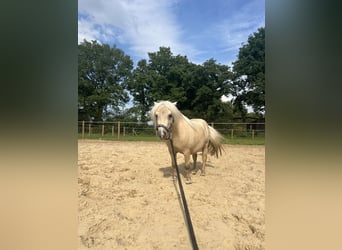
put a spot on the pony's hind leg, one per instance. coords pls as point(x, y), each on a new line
point(204, 159)
point(194, 170)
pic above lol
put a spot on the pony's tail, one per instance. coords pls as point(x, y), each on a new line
point(215, 142)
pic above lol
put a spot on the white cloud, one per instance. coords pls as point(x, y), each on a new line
point(227, 98)
point(86, 31)
point(144, 25)
point(236, 28)
point(230, 98)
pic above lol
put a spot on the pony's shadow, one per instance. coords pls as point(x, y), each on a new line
point(167, 171)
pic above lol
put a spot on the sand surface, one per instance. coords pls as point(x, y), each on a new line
point(127, 199)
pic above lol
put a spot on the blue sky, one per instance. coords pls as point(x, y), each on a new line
point(197, 29)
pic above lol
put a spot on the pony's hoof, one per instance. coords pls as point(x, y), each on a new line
point(194, 172)
point(202, 174)
point(188, 182)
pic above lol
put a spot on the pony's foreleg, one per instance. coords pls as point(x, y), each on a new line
point(194, 157)
point(187, 169)
point(204, 159)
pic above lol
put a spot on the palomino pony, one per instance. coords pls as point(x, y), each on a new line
point(189, 136)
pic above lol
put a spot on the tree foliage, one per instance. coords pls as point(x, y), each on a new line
point(249, 70)
point(196, 88)
point(106, 76)
point(102, 75)
point(211, 81)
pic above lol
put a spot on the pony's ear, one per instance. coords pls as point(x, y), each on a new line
point(155, 103)
point(174, 103)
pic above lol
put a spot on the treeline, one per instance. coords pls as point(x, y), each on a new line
point(107, 79)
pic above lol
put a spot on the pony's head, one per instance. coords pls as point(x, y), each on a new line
point(163, 115)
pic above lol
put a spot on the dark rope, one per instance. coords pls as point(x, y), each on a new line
point(185, 205)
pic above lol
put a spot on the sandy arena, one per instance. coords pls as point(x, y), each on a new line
point(127, 199)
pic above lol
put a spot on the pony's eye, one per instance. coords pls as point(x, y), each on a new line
point(170, 116)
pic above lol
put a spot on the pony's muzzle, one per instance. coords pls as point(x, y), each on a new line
point(163, 133)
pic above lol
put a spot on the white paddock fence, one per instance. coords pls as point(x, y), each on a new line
point(119, 129)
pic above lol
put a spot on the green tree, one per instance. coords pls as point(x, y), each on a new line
point(167, 71)
point(158, 79)
point(211, 81)
point(103, 72)
point(140, 85)
point(249, 71)
point(196, 88)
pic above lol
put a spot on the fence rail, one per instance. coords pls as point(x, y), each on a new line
point(119, 129)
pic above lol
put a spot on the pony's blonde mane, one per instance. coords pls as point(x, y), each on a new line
point(174, 111)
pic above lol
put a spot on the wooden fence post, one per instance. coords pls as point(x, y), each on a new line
point(118, 130)
point(113, 130)
point(232, 133)
point(124, 131)
point(89, 129)
point(253, 134)
point(82, 129)
point(102, 130)
point(212, 124)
